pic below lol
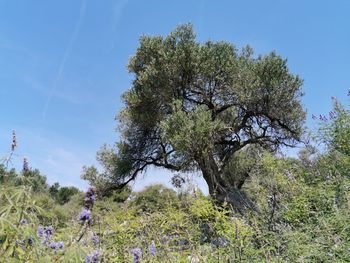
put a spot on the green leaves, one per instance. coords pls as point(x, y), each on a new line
point(336, 132)
point(191, 101)
point(18, 213)
point(192, 133)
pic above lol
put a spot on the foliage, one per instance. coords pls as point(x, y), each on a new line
point(302, 216)
point(193, 106)
point(335, 133)
point(103, 181)
point(154, 198)
point(62, 194)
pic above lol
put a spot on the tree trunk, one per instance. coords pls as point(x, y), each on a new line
point(237, 199)
point(220, 190)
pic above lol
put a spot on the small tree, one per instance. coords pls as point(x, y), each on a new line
point(193, 106)
point(335, 128)
point(102, 181)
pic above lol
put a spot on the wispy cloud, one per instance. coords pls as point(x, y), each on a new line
point(65, 57)
point(118, 11)
point(67, 95)
point(117, 15)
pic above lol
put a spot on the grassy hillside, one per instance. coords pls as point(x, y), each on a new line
point(301, 214)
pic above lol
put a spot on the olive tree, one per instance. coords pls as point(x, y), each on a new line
point(193, 106)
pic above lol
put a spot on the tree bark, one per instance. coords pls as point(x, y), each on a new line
point(220, 190)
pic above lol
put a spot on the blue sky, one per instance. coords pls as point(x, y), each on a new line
point(63, 65)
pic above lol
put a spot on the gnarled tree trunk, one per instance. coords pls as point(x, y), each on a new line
point(222, 191)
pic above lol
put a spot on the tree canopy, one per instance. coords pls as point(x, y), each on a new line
point(193, 105)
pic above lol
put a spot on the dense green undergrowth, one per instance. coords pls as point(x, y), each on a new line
point(302, 215)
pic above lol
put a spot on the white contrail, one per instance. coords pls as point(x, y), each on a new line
point(118, 12)
point(117, 15)
point(65, 57)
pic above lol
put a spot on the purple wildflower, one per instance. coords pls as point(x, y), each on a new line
point(56, 245)
point(30, 241)
point(332, 115)
point(323, 117)
point(137, 253)
point(40, 231)
point(85, 215)
point(25, 165)
point(94, 257)
point(95, 240)
point(152, 248)
point(24, 221)
point(14, 141)
point(53, 245)
point(45, 233)
point(60, 244)
point(314, 117)
point(49, 230)
point(90, 197)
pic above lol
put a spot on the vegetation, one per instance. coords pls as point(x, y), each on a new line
point(280, 209)
point(194, 106)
